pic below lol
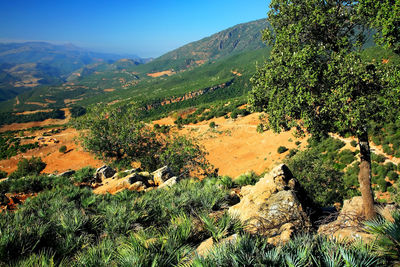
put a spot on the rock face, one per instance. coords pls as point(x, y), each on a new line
point(103, 173)
point(137, 181)
point(170, 182)
point(161, 175)
point(349, 224)
point(272, 207)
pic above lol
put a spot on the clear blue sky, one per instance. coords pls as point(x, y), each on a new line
point(147, 28)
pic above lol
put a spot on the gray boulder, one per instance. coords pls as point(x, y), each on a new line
point(161, 175)
point(272, 206)
point(103, 173)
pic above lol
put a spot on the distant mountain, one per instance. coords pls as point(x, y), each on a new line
point(27, 65)
point(237, 39)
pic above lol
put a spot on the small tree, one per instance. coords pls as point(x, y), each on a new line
point(25, 167)
point(62, 149)
point(316, 79)
point(117, 134)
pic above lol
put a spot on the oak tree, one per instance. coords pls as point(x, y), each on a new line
point(316, 79)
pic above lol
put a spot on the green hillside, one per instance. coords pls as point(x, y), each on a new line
point(24, 66)
point(240, 38)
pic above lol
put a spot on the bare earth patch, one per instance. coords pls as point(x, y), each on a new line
point(235, 147)
point(161, 73)
point(75, 158)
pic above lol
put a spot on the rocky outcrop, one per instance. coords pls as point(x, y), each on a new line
point(104, 172)
point(161, 175)
point(273, 206)
point(133, 180)
point(349, 223)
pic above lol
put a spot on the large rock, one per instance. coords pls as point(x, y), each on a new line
point(104, 172)
point(161, 175)
point(170, 182)
point(272, 207)
point(349, 224)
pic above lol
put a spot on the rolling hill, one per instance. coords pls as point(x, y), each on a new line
point(24, 66)
point(227, 57)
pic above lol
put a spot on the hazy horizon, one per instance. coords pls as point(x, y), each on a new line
point(142, 28)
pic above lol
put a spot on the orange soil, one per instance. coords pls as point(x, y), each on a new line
point(161, 73)
point(109, 90)
point(236, 73)
point(75, 158)
point(50, 101)
point(200, 62)
point(37, 104)
point(68, 101)
point(235, 147)
point(33, 112)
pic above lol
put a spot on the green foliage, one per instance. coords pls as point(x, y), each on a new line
point(84, 175)
point(282, 149)
point(3, 174)
point(250, 178)
point(68, 224)
point(353, 143)
point(77, 111)
point(212, 125)
point(303, 250)
point(8, 117)
point(26, 167)
point(319, 173)
point(115, 133)
point(62, 149)
point(10, 145)
point(220, 228)
point(388, 236)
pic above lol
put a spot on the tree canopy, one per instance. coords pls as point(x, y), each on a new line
point(116, 133)
point(316, 78)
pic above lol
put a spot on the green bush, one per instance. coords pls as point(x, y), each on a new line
point(249, 178)
point(393, 175)
point(3, 174)
point(62, 149)
point(26, 167)
point(84, 175)
point(282, 149)
point(378, 158)
point(212, 125)
point(353, 143)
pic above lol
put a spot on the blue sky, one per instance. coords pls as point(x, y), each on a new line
point(147, 28)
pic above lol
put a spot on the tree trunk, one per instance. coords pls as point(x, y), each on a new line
point(364, 177)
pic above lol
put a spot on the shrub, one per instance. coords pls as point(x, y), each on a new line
point(249, 178)
point(292, 152)
point(62, 149)
point(25, 167)
point(84, 175)
point(260, 128)
point(378, 158)
point(116, 134)
point(212, 125)
point(3, 174)
point(282, 149)
point(393, 175)
point(353, 143)
point(298, 143)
